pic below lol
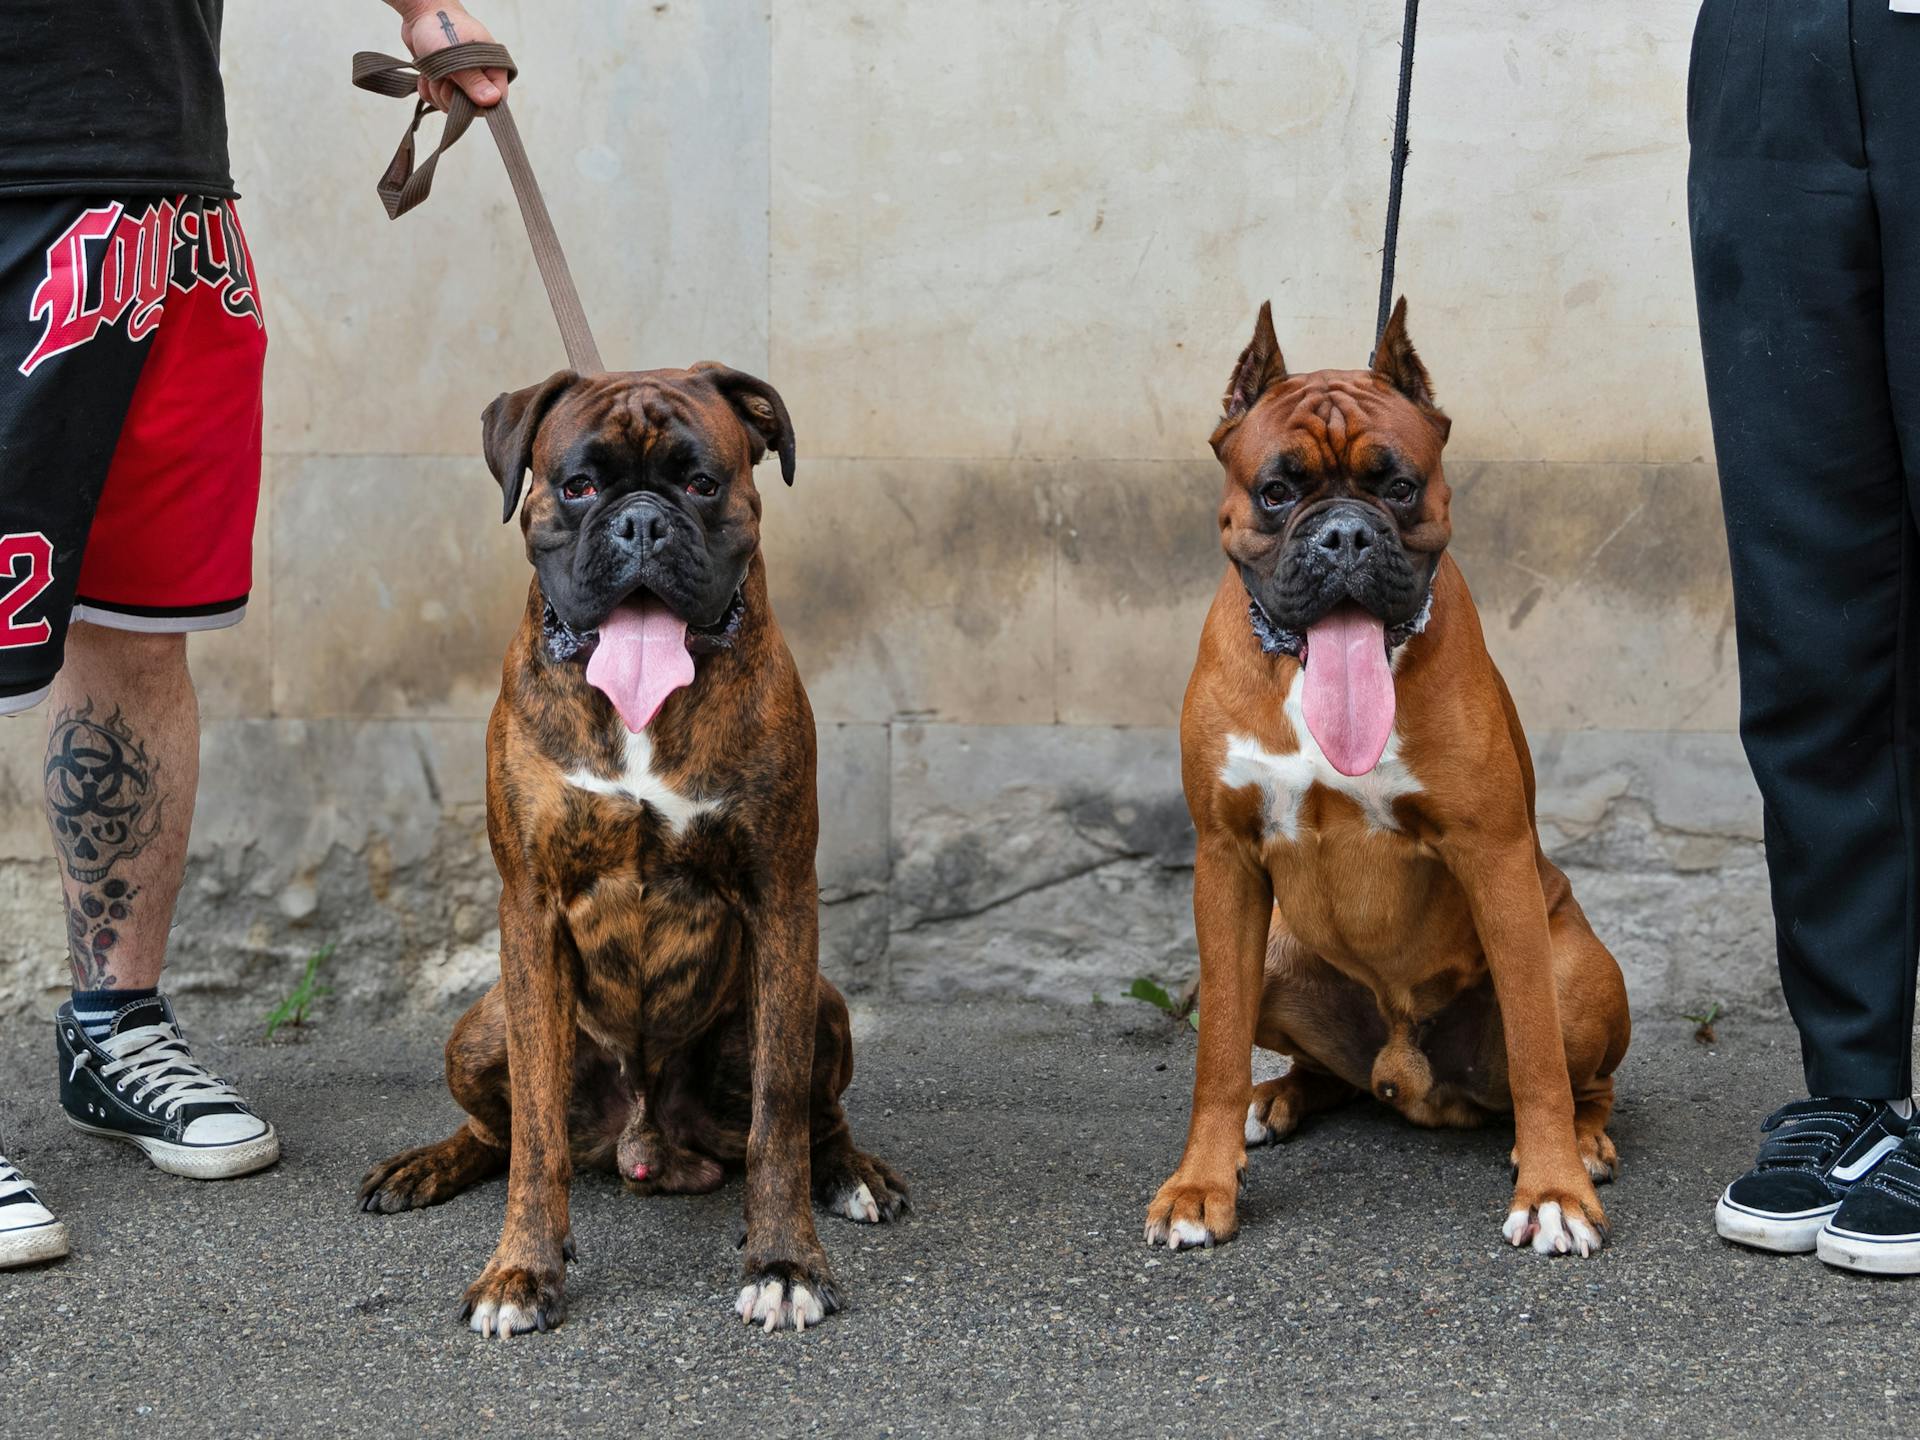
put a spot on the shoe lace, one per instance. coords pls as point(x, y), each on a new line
point(1899, 1173)
point(12, 1182)
point(1809, 1134)
point(155, 1061)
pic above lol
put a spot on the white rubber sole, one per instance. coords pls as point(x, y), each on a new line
point(198, 1162)
point(34, 1246)
point(1782, 1234)
point(1844, 1250)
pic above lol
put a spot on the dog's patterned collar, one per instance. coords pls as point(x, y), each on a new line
point(1276, 639)
point(565, 643)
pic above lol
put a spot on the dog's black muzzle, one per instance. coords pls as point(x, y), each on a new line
point(641, 542)
point(1343, 551)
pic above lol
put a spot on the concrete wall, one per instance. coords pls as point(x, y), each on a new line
point(999, 258)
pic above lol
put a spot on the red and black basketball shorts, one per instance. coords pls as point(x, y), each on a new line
point(131, 350)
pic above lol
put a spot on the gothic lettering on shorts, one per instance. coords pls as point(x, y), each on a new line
point(113, 268)
point(104, 804)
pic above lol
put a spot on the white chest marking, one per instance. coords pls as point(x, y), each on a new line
point(1285, 779)
point(638, 783)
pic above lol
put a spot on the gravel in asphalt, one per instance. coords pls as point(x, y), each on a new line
point(1368, 1294)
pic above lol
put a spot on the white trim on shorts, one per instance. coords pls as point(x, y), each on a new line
point(160, 624)
point(19, 704)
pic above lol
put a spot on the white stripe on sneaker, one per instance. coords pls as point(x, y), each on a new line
point(1847, 1174)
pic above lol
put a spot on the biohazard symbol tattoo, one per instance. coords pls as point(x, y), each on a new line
point(104, 803)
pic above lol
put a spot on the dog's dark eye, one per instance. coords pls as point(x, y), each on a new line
point(1400, 491)
point(1275, 495)
point(703, 485)
point(579, 487)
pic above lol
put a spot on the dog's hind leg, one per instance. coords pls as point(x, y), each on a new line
point(430, 1174)
point(1280, 1105)
point(1329, 1025)
point(477, 1076)
point(1595, 1017)
point(846, 1181)
point(1592, 1109)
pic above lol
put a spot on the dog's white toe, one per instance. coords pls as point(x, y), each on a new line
point(1518, 1226)
point(1551, 1237)
point(860, 1205)
point(768, 1305)
point(1188, 1235)
point(1586, 1240)
point(1257, 1131)
point(501, 1321)
point(1552, 1230)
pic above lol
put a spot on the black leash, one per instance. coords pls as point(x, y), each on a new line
point(1399, 169)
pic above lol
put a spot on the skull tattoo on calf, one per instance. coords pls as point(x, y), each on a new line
point(104, 804)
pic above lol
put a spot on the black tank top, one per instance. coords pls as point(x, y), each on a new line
point(112, 97)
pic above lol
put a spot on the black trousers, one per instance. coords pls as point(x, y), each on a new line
point(1804, 206)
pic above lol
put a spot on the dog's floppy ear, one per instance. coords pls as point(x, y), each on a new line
point(1396, 362)
point(1261, 365)
point(760, 407)
point(507, 428)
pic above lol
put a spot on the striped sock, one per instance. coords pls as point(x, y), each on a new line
point(95, 1009)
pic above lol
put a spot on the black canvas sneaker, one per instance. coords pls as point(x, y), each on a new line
point(28, 1232)
point(142, 1085)
point(1877, 1227)
point(1815, 1152)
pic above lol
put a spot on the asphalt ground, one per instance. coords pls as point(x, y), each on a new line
point(1369, 1292)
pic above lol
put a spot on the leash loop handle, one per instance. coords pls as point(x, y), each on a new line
point(403, 184)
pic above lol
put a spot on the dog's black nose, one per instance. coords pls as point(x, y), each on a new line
point(1345, 537)
point(640, 528)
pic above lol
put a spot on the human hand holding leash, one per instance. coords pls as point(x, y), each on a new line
point(430, 25)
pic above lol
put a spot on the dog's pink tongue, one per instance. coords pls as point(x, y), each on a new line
point(1348, 696)
point(641, 659)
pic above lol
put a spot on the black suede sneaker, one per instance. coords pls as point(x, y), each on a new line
point(1877, 1227)
point(1816, 1151)
point(142, 1085)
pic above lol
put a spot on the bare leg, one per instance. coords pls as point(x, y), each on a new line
point(123, 763)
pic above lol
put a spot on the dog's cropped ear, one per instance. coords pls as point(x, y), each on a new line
point(1396, 362)
point(760, 407)
point(507, 428)
point(1261, 366)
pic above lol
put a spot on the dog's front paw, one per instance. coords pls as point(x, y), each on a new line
point(513, 1300)
point(782, 1295)
point(1556, 1221)
point(1193, 1214)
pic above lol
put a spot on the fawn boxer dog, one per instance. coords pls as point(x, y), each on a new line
point(651, 807)
point(1369, 889)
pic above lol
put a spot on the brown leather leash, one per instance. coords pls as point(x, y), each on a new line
point(404, 185)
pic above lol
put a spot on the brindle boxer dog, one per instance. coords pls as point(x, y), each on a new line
point(1369, 889)
point(651, 806)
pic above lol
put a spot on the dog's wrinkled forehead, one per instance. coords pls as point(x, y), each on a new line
point(1335, 421)
point(639, 417)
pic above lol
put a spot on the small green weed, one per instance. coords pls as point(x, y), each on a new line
point(1156, 996)
point(293, 1010)
point(1703, 1023)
